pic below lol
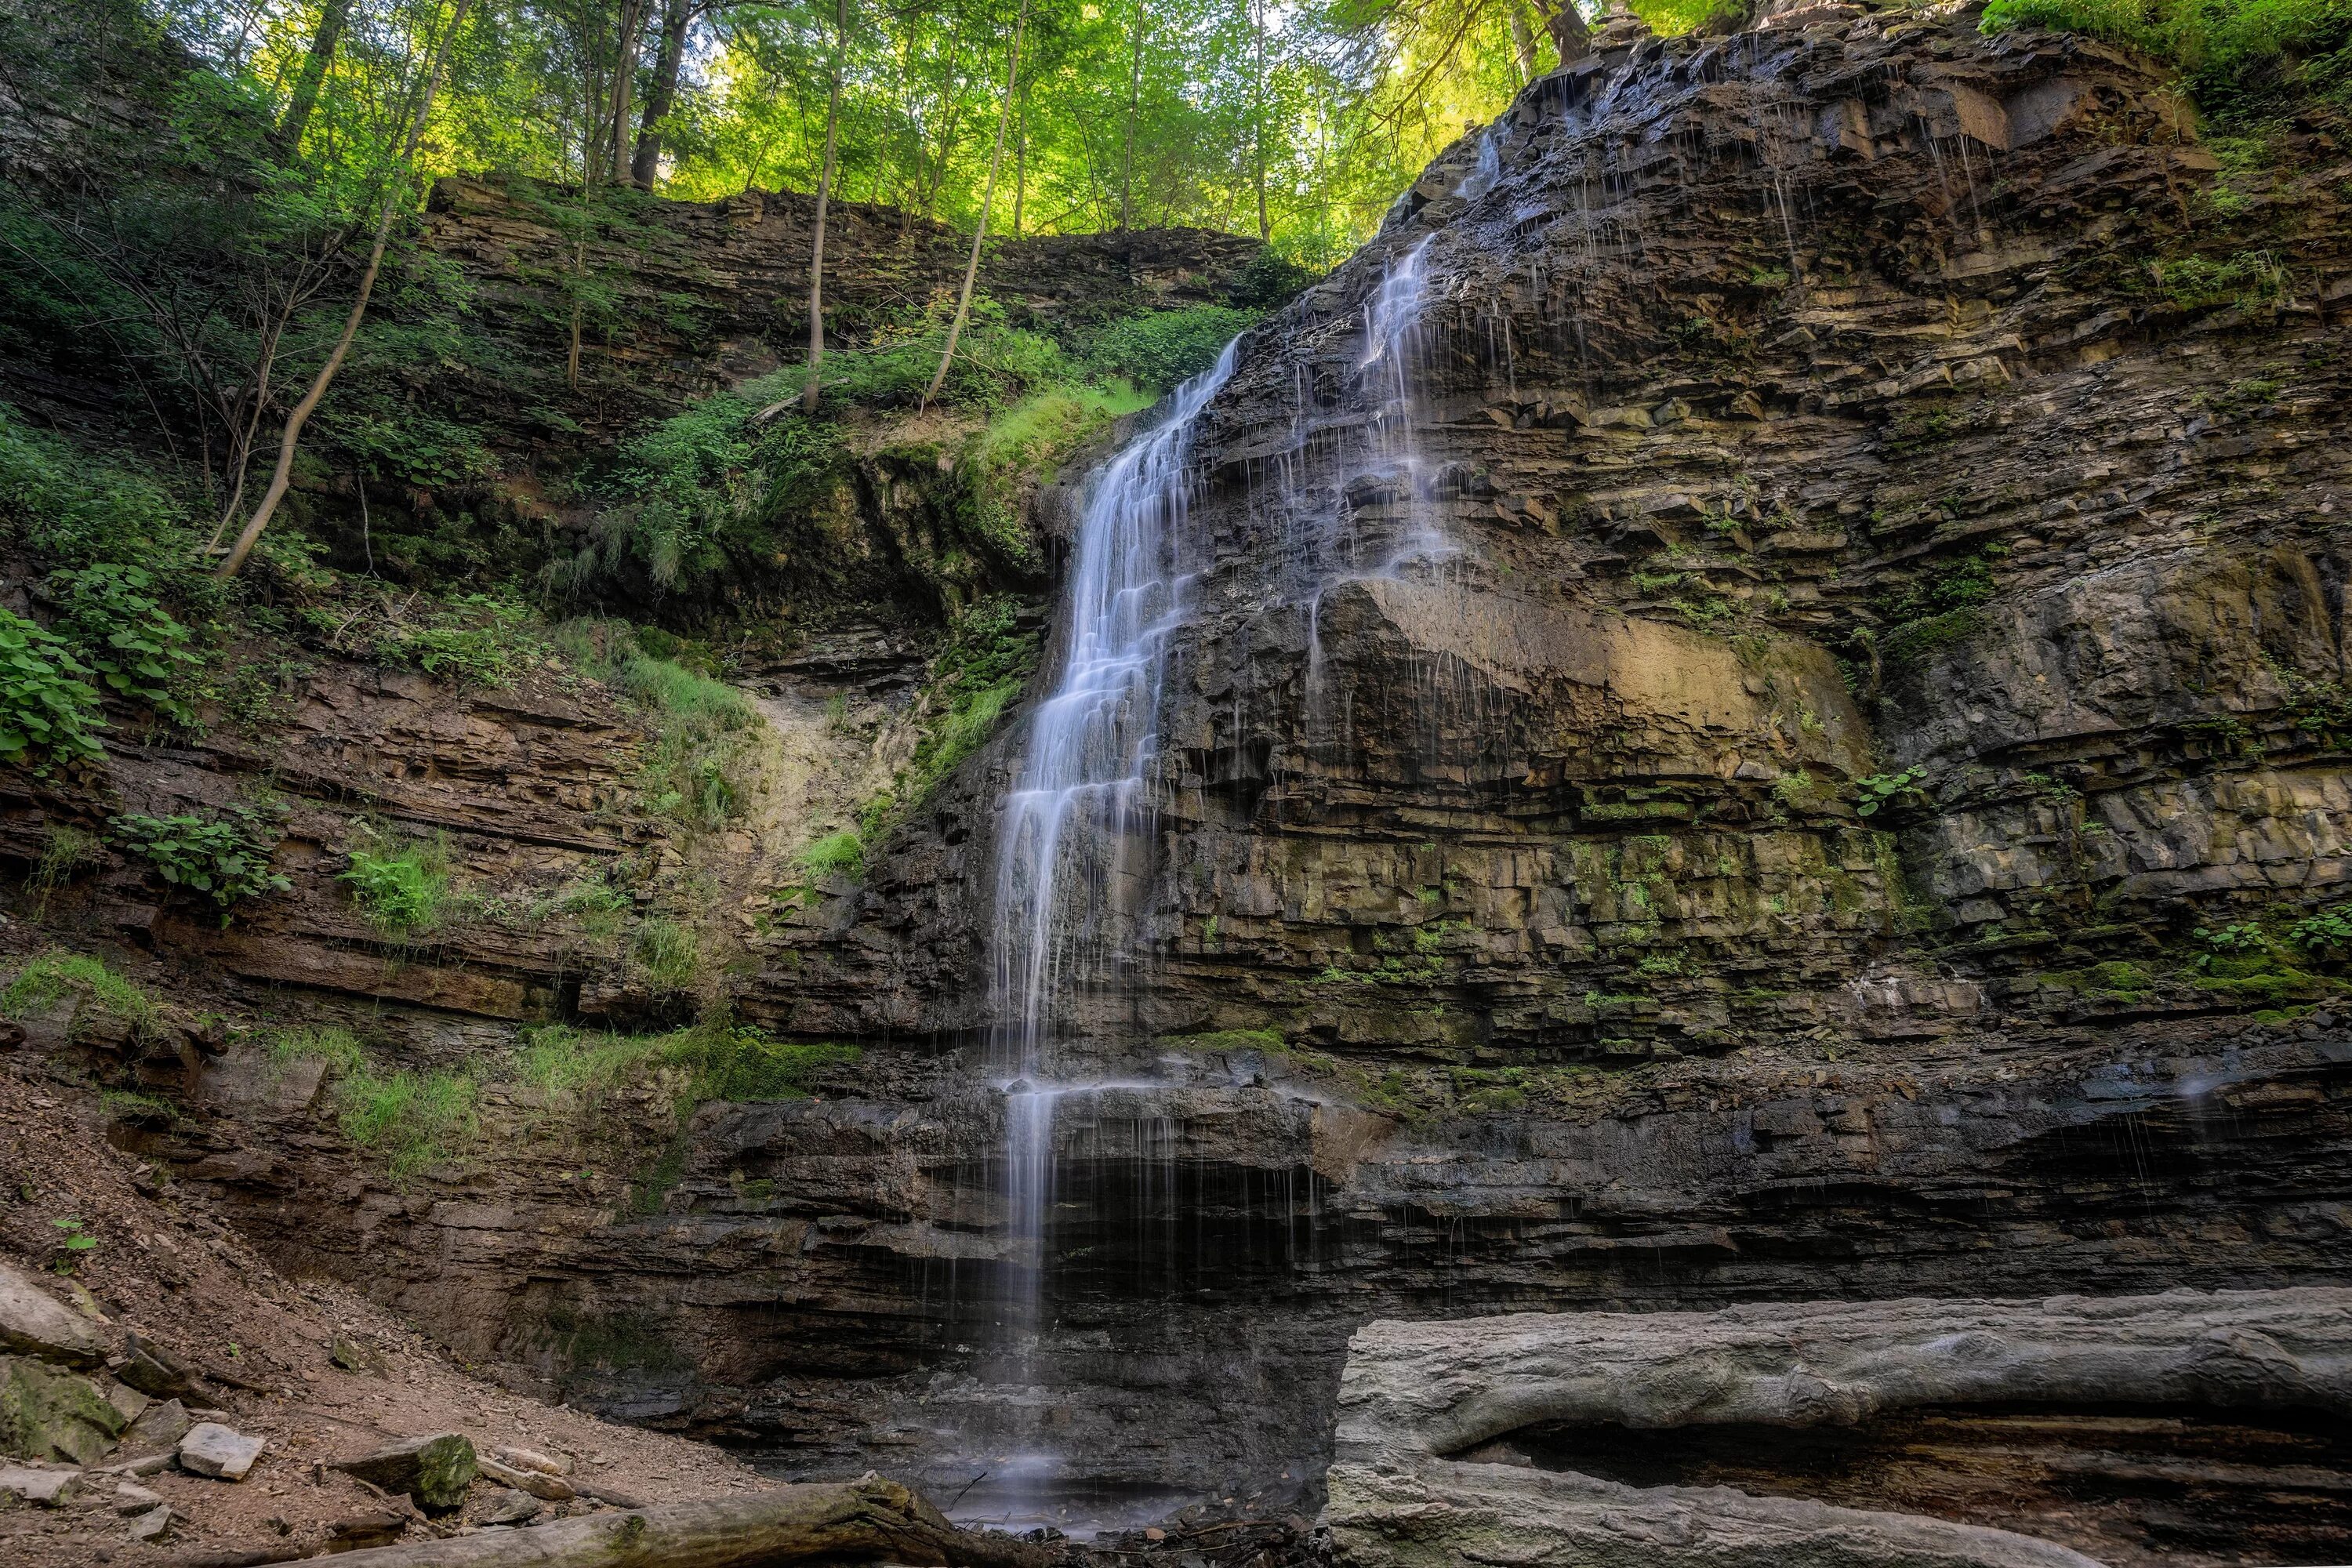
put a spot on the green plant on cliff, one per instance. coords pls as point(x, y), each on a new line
point(697, 772)
point(2329, 931)
point(412, 1119)
point(2242, 58)
point(974, 679)
point(58, 974)
point(135, 646)
point(401, 887)
point(1161, 349)
point(48, 713)
point(225, 855)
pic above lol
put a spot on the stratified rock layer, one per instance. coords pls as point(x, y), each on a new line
point(1427, 1472)
point(1892, 601)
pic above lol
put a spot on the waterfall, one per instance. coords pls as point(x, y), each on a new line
point(1083, 797)
point(1078, 811)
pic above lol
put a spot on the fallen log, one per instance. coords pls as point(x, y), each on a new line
point(866, 1520)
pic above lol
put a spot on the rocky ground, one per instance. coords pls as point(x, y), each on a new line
point(272, 1359)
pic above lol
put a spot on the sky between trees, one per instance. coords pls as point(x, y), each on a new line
point(1297, 120)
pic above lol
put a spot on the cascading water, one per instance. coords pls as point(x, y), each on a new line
point(1078, 812)
point(1083, 797)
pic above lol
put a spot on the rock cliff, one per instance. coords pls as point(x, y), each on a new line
point(1786, 760)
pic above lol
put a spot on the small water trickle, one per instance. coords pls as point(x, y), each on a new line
point(1486, 172)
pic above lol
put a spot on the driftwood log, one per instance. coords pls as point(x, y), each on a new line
point(867, 1520)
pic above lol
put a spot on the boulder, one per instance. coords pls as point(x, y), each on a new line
point(504, 1506)
point(158, 1430)
point(436, 1470)
point(34, 1322)
point(130, 1498)
point(221, 1452)
point(154, 1525)
point(41, 1488)
point(155, 1371)
point(538, 1483)
point(364, 1361)
point(48, 1412)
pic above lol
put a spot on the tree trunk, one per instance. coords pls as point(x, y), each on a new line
point(661, 93)
point(323, 44)
point(1570, 36)
point(1523, 42)
point(1021, 162)
point(824, 194)
point(987, 194)
point(396, 191)
point(624, 84)
point(1134, 101)
point(1257, 118)
point(867, 1520)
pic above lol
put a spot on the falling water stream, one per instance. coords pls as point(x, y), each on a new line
point(1075, 827)
point(1075, 839)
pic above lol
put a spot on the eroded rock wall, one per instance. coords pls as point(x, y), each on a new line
point(1859, 414)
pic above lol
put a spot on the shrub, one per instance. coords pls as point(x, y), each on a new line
point(1268, 281)
point(71, 508)
point(225, 857)
point(133, 642)
point(835, 855)
point(412, 1120)
point(48, 713)
point(2329, 929)
point(53, 975)
point(476, 640)
point(1879, 791)
point(1164, 348)
point(669, 954)
point(2242, 58)
point(401, 889)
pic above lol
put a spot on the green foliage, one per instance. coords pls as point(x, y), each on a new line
point(716, 1060)
point(835, 855)
point(2242, 58)
point(2201, 282)
point(1162, 348)
point(338, 1050)
point(668, 953)
point(412, 1119)
point(731, 1061)
point(1026, 443)
point(76, 510)
point(1268, 282)
point(112, 614)
point(696, 772)
point(402, 889)
point(225, 857)
point(974, 680)
point(65, 851)
point(48, 713)
point(1878, 791)
point(479, 640)
point(54, 974)
point(2241, 937)
point(2329, 931)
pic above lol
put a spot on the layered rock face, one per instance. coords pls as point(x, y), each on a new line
point(703, 294)
point(1458, 1441)
point(1692, 768)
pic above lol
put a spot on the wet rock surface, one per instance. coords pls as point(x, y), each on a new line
point(2118, 1429)
point(1759, 857)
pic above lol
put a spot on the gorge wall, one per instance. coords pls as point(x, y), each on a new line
point(1888, 601)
